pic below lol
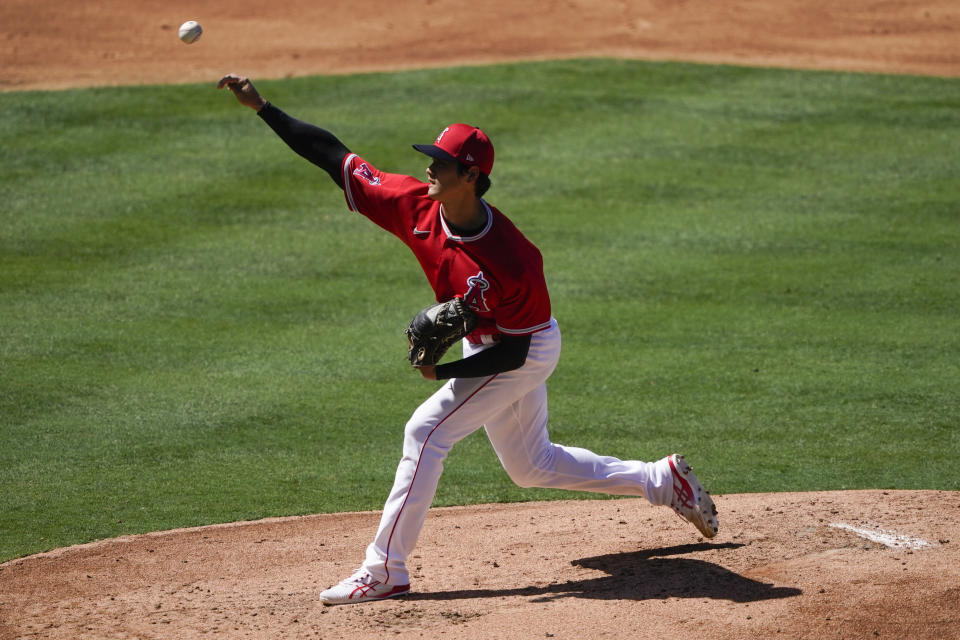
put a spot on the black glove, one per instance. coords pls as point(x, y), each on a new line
point(434, 329)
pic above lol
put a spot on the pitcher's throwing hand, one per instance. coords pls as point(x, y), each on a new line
point(244, 90)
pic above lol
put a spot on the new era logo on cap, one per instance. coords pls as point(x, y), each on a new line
point(463, 143)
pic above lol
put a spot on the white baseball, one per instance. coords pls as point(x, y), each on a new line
point(190, 31)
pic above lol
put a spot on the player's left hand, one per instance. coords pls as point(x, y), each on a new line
point(428, 371)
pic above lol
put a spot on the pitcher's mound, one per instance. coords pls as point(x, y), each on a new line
point(855, 564)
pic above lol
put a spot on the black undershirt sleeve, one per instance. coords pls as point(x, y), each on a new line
point(317, 145)
point(508, 354)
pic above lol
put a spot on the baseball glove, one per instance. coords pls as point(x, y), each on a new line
point(435, 328)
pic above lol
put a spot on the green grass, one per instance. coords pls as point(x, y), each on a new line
point(759, 268)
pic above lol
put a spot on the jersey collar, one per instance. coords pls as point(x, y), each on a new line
point(473, 238)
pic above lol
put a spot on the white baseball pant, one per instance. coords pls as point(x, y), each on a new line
point(512, 407)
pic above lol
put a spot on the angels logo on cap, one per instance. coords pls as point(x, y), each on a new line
point(463, 143)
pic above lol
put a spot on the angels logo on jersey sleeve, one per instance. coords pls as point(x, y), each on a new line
point(363, 171)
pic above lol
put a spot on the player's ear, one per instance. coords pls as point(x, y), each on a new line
point(473, 174)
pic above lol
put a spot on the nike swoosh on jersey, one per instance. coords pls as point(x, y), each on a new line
point(421, 232)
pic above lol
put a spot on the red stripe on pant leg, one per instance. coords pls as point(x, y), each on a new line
point(417, 469)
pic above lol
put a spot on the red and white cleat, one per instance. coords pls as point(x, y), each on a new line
point(361, 587)
point(690, 500)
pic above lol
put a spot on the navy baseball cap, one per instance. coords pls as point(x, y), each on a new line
point(461, 143)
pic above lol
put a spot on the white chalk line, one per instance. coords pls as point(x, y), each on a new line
point(891, 539)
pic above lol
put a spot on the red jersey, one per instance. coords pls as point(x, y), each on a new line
point(498, 272)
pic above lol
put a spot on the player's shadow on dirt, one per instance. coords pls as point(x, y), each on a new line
point(642, 575)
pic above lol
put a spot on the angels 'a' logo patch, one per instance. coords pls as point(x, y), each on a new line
point(474, 296)
point(363, 171)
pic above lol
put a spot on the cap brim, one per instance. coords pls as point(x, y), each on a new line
point(434, 152)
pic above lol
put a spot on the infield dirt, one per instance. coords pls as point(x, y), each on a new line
point(799, 565)
point(49, 44)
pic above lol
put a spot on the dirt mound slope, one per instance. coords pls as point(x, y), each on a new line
point(853, 564)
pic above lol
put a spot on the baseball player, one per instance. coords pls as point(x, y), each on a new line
point(468, 249)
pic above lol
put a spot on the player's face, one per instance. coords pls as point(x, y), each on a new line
point(445, 181)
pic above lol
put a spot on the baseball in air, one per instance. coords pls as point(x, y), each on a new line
point(190, 31)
